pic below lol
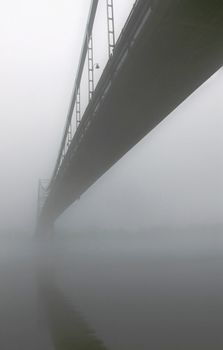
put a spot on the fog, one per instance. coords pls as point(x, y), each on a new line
point(40, 46)
point(136, 262)
point(173, 177)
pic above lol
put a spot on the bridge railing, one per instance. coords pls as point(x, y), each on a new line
point(86, 52)
point(117, 54)
point(67, 135)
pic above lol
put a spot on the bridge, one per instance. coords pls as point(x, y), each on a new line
point(165, 51)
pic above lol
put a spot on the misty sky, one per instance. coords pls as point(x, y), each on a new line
point(173, 176)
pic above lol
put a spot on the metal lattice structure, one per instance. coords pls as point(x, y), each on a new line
point(86, 52)
point(90, 69)
point(75, 110)
point(78, 108)
point(87, 49)
point(154, 32)
point(111, 27)
point(69, 136)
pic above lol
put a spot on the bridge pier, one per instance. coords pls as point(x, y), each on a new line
point(45, 229)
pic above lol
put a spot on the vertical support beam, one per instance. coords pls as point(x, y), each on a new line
point(42, 195)
point(90, 68)
point(78, 108)
point(69, 135)
point(39, 200)
point(111, 27)
point(64, 153)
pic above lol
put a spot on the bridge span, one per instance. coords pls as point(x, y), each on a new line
point(166, 50)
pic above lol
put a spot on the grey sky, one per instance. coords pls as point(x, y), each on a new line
point(173, 176)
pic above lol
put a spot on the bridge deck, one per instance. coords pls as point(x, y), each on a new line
point(166, 51)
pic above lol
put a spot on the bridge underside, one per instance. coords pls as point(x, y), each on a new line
point(179, 47)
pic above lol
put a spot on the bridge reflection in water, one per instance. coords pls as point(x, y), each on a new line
point(69, 331)
point(34, 313)
point(158, 290)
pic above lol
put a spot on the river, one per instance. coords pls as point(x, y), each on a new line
point(158, 289)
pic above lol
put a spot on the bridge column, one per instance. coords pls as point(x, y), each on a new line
point(45, 229)
point(45, 225)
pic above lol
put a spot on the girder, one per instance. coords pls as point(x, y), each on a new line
point(166, 50)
